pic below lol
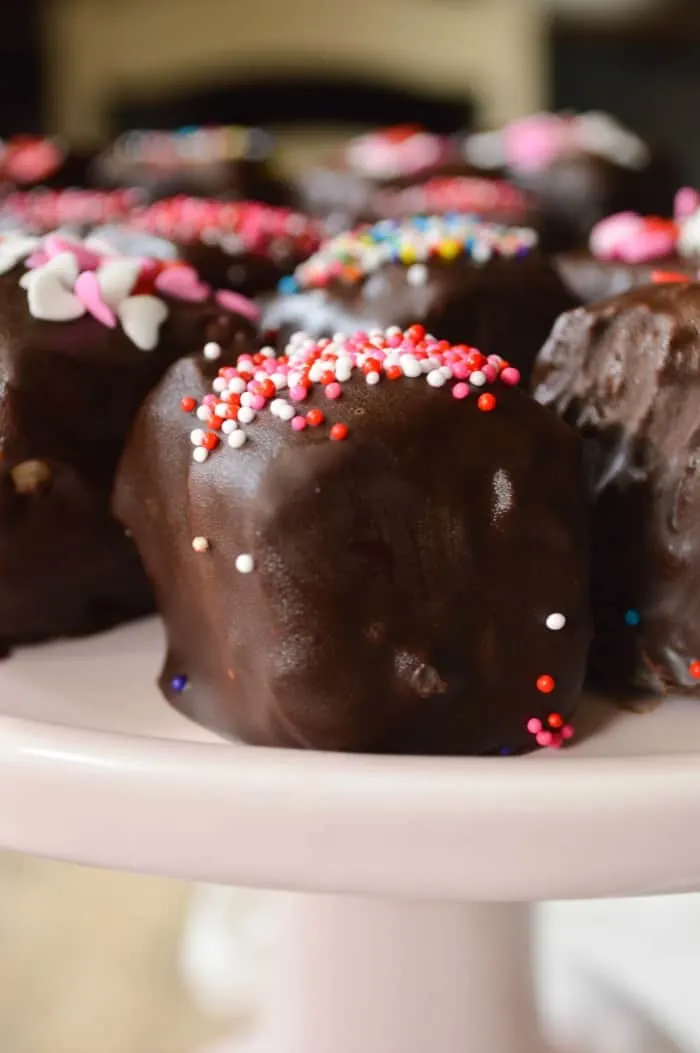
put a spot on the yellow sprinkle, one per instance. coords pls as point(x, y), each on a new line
point(449, 249)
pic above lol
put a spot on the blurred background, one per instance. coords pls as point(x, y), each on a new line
point(89, 960)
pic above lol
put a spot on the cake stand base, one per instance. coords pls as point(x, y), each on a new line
point(365, 975)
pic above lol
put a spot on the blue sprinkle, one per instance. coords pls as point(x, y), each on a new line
point(288, 285)
point(179, 683)
point(504, 752)
point(632, 617)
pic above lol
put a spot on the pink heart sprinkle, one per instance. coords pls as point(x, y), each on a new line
point(233, 301)
point(54, 244)
point(182, 283)
point(87, 289)
point(37, 259)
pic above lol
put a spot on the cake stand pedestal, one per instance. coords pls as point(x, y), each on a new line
point(412, 935)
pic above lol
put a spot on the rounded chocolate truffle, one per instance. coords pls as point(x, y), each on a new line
point(463, 279)
point(83, 339)
point(242, 245)
point(626, 372)
point(580, 167)
point(363, 181)
point(219, 161)
point(381, 545)
point(627, 250)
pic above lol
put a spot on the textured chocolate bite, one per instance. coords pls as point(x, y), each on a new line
point(580, 168)
point(77, 356)
point(463, 279)
point(377, 558)
point(626, 373)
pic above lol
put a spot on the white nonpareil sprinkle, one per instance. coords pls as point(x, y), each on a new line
point(477, 378)
point(245, 563)
point(212, 351)
point(197, 437)
point(246, 415)
point(417, 274)
point(286, 411)
point(410, 365)
point(228, 426)
point(200, 454)
point(237, 439)
point(202, 413)
point(200, 544)
point(435, 378)
point(372, 378)
point(555, 621)
point(219, 384)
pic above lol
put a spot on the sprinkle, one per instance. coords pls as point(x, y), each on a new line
point(534, 725)
point(632, 617)
point(339, 432)
point(544, 738)
point(200, 544)
point(435, 378)
point(334, 390)
point(228, 426)
point(237, 439)
point(299, 423)
point(694, 670)
point(212, 351)
point(298, 393)
point(187, 404)
point(545, 683)
point(197, 437)
point(555, 621)
point(203, 413)
point(460, 391)
point(555, 720)
point(510, 375)
point(200, 455)
point(245, 563)
point(486, 402)
point(246, 415)
point(315, 417)
point(478, 378)
point(179, 683)
point(372, 377)
point(417, 274)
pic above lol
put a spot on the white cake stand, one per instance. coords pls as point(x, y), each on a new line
point(416, 936)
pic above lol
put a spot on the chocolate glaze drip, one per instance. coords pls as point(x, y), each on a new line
point(402, 578)
point(591, 279)
point(626, 372)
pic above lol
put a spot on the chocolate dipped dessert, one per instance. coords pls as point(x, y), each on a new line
point(463, 279)
point(241, 245)
point(220, 161)
point(42, 210)
point(626, 373)
point(580, 167)
point(627, 250)
point(83, 339)
point(371, 543)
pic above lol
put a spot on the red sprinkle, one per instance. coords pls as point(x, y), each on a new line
point(545, 684)
point(339, 432)
point(210, 441)
point(694, 670)
point(188, 404)
point(315, 417)
point(486, 402)
point(555, 720)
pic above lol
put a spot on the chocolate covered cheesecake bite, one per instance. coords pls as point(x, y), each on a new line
point(83, 339)
point(627, 250)
point(626, 373)
point(580, 167)
point(463, 279)
point(371, 543)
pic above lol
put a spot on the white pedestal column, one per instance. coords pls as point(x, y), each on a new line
point(355, 975)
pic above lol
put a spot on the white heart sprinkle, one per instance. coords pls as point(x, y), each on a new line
point(14, 249)
point(116, 279)
point(141, 318)
point(49, 300)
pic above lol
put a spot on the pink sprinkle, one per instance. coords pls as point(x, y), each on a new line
point(233, 301)
point(334, 390)
point(54, 244)
point(210, 400)
point(510, 375)
point(299, 423)
point(567, 732)
point(87, 289)
point(460, 370)
point(495, 360)
point(490, 373)
point(544, 738)
point(257, 402)
point(298, 393)
point(460, 391)
point(534, 725)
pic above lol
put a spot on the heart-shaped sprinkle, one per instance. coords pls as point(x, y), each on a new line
point(49, 300)
point(87, 289)
point(141, 318)
point(13, 249)
point(233, 301)
point(56, 244)
point(117, 279)
point(182, 283)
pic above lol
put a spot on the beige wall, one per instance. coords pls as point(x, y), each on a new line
point(98, 47)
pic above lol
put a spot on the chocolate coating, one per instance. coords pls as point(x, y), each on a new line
point(401, 578)
point(68, 394)
point(504, 307)
point(591, 279)
point(626, 372)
